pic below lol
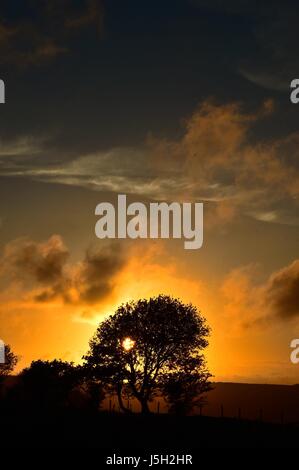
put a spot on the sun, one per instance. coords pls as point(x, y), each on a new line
point(128, 344)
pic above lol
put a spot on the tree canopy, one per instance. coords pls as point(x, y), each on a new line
point(149, 345)
point(10, 361)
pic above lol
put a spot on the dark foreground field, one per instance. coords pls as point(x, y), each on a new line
point(115, 432)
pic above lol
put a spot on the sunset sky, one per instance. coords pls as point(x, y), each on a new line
point(174, 100)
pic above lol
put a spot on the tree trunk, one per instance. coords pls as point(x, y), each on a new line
point(144, 407)
point(120, 400)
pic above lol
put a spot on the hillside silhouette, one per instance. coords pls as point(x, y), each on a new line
point(143, 380)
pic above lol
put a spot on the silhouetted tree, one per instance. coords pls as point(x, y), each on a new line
point(91, 387)
point(183, 390)
point(48, 383)
point(10, 363)
point(144, 343)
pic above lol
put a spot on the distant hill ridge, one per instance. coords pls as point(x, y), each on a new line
point(266, 402)
point(274, 403)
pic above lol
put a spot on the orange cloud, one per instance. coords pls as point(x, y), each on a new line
point(43, 271)
point(56, 328)
point(248, 302)
point(282, 292)
point(218, 163)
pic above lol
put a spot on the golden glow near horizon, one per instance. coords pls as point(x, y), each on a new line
point(128, 344)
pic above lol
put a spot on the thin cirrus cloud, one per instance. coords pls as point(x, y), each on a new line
point(21, 146)
point(117, 170)
point(215, 161)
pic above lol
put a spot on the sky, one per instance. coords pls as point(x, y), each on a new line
point(181, 100)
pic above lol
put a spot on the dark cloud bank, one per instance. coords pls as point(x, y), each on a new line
point(46, 266)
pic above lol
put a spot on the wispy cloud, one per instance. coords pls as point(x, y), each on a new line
point(21, 146)
point(215, 160)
